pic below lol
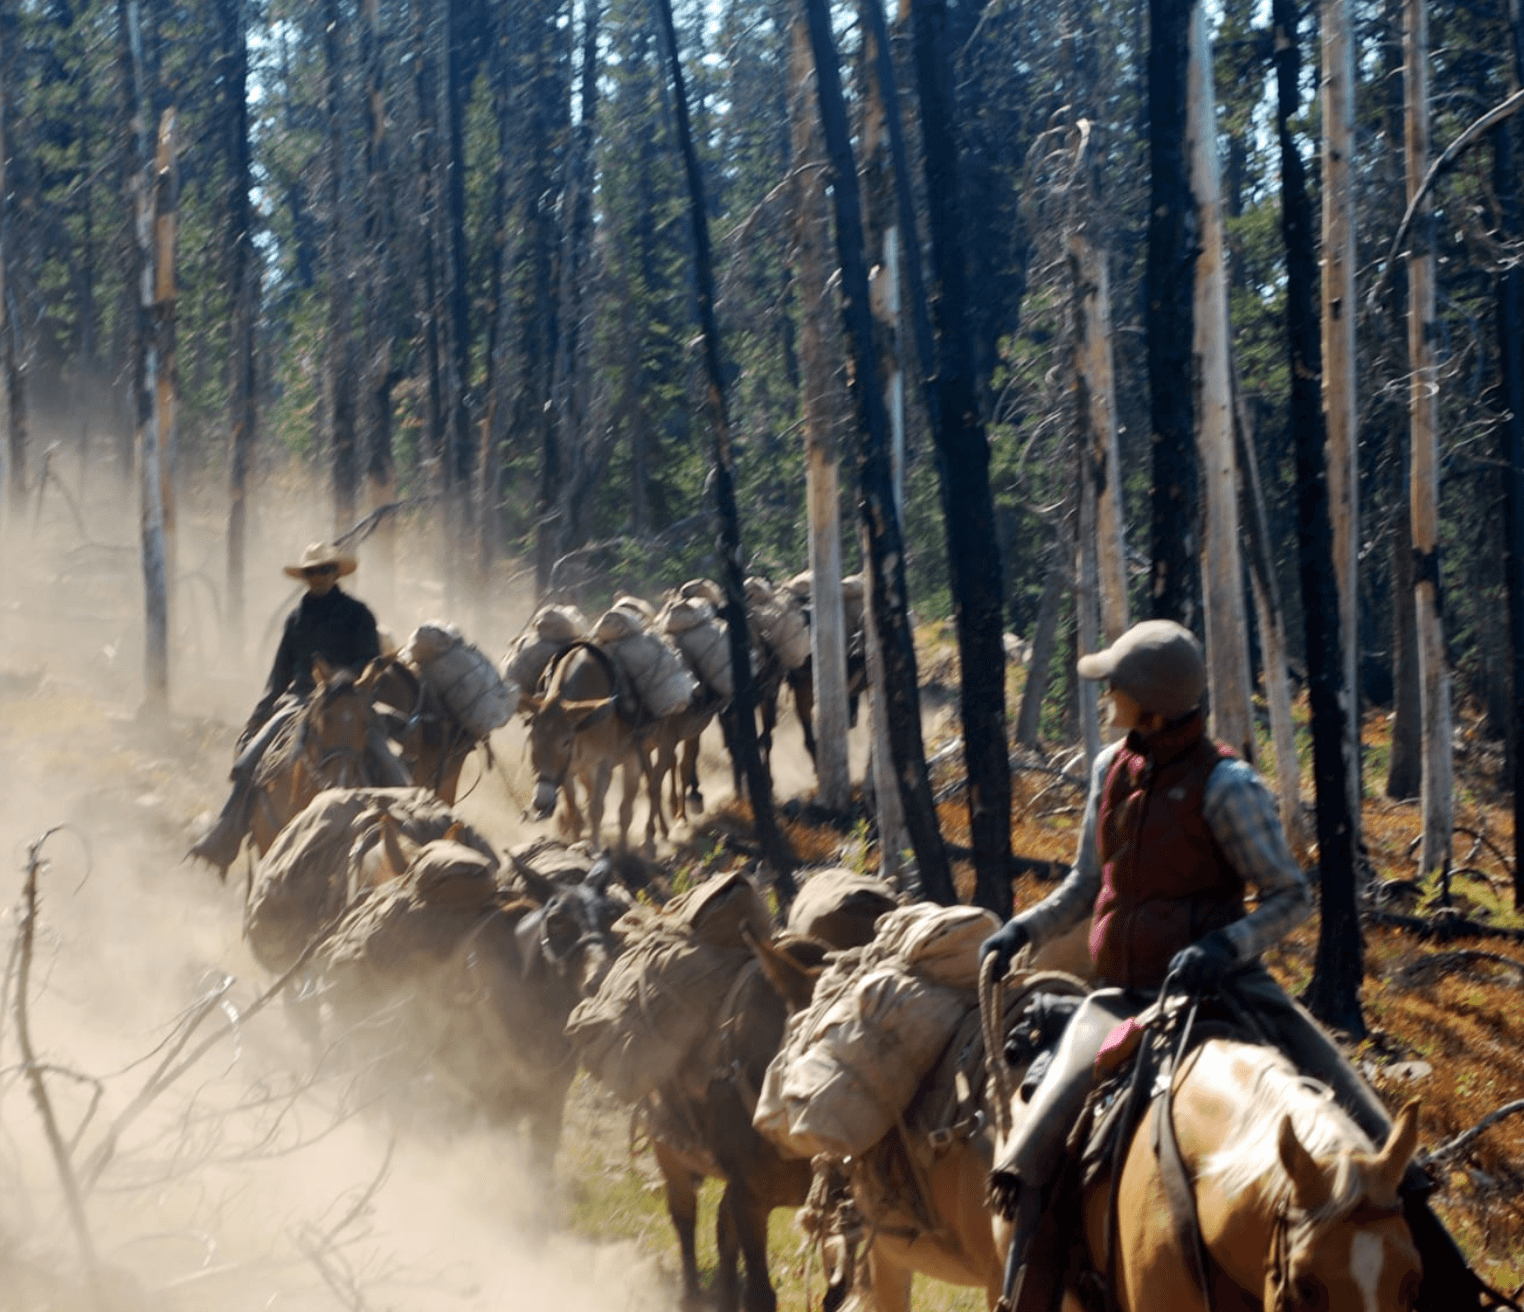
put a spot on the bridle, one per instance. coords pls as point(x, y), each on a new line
point(1286, 1228)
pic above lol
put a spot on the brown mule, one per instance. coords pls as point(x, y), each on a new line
point(431, 741)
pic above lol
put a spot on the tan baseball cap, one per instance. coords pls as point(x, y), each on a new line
point(1158, 663)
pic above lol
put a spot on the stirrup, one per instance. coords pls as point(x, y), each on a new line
point(1028, 1216)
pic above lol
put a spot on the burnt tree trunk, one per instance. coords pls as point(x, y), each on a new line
point(458, 69)
point(10, 347)
point(1334, 994)
point(759, 787)
point(968, 507)
point(883, 544)
point(1174, 243)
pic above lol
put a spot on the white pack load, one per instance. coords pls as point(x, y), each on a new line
point(854, 601)
point(881, 1017)
point(476, 695)
point(701, 635)
point(659, 1001)
point(656, 670)
point(551, 630)
point(779, 621)
point(703, 590)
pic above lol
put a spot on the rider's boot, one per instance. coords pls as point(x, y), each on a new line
point(220, 845)
point(1026, 1215)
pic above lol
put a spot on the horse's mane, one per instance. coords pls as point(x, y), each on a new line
point(1249, 1157)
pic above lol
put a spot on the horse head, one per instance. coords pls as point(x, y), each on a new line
point(1344, 1242)
point(337, 723)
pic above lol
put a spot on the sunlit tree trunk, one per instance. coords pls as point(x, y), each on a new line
point(1227, 629)
point(1423, 413)
point(1338, 288)
point(819, 357)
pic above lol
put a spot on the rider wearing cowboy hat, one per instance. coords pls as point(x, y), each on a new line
point(326, 623)
point(1176, 830)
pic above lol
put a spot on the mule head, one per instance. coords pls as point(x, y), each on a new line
point(552, 738)
point(1353, 1249)
point(792, 975)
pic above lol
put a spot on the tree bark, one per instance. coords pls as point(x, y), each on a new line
point(339, 368)
point(144, 366)
point(1334, 994)
point(968, 507)
point(166, 220)
point(1423, 413)
point(1339, 395)
point(819, 357)
point(1510, 438)
point(243, 295)
point(1174, 244)
point(10, 347)
point(1227, 628)
point(1045, 631)
point(884, 550)
point(775, 848)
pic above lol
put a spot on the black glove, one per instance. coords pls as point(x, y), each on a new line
point(1004, 944)
point(1200, 968)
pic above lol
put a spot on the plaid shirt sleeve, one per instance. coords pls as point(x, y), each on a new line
point(1241, 814)
point(1074, 899)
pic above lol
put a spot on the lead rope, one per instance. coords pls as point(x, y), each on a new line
point(992, 1025)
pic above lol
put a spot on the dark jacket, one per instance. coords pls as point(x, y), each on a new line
point(337, 627)
point(1164, 880)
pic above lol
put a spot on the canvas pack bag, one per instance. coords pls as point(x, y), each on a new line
point(476, 695)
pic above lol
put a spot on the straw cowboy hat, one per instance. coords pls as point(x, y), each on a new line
point(320, 555)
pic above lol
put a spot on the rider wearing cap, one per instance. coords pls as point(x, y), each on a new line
point(1176, 831)
point(327, 622)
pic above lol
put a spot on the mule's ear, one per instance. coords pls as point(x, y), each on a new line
point(1308, 1181)
point(322, 672)
point(585, 714)
point(530, 702)
point(792, 981)
point(1387, 1170)
point(453, 833)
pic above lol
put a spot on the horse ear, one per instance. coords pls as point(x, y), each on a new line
point(1387, 1170)
point(322, 672)
point(1310, 1185)
point(453, 833)
point(367, 682)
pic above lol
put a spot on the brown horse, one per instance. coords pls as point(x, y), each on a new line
point(576, 732)
point(323, 745)
point(432, 742)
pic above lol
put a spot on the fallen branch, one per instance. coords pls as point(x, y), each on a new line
point(1452, 152)
point(1463, 1141)
point(1445, 963)
point(73, 1197)
point(1441, 927)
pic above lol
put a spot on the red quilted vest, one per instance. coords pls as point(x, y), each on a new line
point(1164, 880)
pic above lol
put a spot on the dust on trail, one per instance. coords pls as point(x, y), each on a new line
point(245, 1182)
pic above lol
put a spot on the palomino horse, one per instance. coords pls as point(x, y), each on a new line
point(1296, 1208)
point(323, 745)
point(577, 732)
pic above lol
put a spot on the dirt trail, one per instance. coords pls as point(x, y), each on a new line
point(239, 1185)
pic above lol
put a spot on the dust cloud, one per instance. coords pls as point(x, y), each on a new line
point(217, 1167)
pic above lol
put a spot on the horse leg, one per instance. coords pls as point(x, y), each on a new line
point(802, 683)
point(749, 1213)
point(597, 792)
point(727, 1243)
point(681, 1188)
point(888, 1283)
point(688, 786)
point(662, 764)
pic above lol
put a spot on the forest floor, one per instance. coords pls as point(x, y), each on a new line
point(215, 1169)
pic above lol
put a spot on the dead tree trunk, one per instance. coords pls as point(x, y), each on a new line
point(1423, 412)
point(10, 348)
point(819, 353)
point(1045, 630)
point(1339, 396)
point(1334, 994)
point(759, 787)
point(882, 541)
point(373, 410)
point(166, 221)
point(968, 507)
point(1227, 629)
point(339, 349)
point(144, 366)
point(243, 295)
point(1510, 331)
point(1173, 247)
